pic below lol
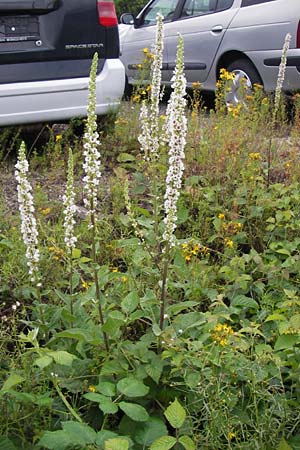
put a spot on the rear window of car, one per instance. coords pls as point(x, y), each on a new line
point(224, 4)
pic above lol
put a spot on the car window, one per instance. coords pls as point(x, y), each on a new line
point(254, 2)
point(224, 4)
point(165, 7)
point(197, 7)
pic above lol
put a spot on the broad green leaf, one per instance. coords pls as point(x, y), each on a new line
point(283, 445)
point(175, 414)
point(76, 333)
point(80, 433)
point(155, 368)
point(62, 357)
point(76, 253)
point(7, 444)
point(106, 388)
point(134, 411)
point(55, 440)
point(187, 443)
point(43, 361)
point(163, 443)
point(148, 431)
point(286, 341)
point(130, 302)
point(126, 157)
point(131, 387)
point(105, 403)
point(116, 444)
point(12, 381)
point(275, 317)
point(104, 435)
point(244, 301)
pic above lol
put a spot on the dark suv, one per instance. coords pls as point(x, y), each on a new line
point(46, 48)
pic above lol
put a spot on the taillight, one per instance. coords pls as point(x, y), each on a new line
point(107, 14)
point(298, 36)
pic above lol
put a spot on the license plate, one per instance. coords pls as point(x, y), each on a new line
point(18, 29)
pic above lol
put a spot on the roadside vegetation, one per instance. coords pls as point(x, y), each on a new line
point(149, 276)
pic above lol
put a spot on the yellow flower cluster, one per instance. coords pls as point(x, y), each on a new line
point(226, 76)
point(121, 121)
point(45, 211)
point(190, 249)
point(141, 94)
point(234, 110)
point(57, 253)
point(221, 333)
point(232, 227)
point(228, 243)
point(255, 156)
point(196, 85)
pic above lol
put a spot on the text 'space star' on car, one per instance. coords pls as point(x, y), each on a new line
point(244, 36)
point(46, 50)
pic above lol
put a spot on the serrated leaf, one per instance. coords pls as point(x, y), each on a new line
point(163, 443)
point(80, 433)
point(130, 302)
point(131, 387)
point(62, 357)
point(116, 444)
point(43, 361)
point(134, 411)
point(12, 381)
point(148, 431)
point(55, 440)
point(244, 301)
point(175, 414)
point(187, 443)
point(283, 445)
point(7, 444)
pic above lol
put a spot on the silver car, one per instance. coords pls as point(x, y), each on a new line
point(244, 36)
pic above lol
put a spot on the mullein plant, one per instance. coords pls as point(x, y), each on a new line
point(278, 95)
point(27, 212)
point(175, 132)
point(91, 180)
point(150, 136)
point(69, 221)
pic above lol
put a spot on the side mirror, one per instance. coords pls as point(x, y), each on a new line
point(127, 19)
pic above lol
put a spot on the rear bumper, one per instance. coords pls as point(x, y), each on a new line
point(53, 100)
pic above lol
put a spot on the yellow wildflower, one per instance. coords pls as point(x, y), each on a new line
point(255, 156)
point(45, 211)
point(228, 243)
point(145, 50)
point(196, 84)
point(124, 279)
point(136, 98)
point(221, 216)
point(58, 137)
point(148, 88)
point(92, 388)
point(231, 435)
point(85, 285)
point(114, 269)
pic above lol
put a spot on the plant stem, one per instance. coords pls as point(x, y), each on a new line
point(65, 401)
point(164, 287)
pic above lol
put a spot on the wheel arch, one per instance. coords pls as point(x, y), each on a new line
point(229, 57)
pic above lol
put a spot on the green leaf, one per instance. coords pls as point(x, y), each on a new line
point(105, 404)
point(283, 445)
point(286, 341)
point(187, 443)
point(131, 387)
point(80, 433)
point(6, 444)
point(55, 440)
point(148, 431)
point(130, 302)
point(62, 357)
point(175, 414)
point(43, 361)
point(12, 381)
point(244, 301)
point(76, 253)
point(125, 157)
point(116, 444)
point(134, 411)
point(104, 435)
point(163, 443)
point(155, 368)
point(275, 317)
point(76, 333)
point(106, 388)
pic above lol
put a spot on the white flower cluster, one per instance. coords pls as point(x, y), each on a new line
point(26, 208)
point(92, 157)
point(175, 130)
point(281, 72)
point(149, 118)
point(70, 207)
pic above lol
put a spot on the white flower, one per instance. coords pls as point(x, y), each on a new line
point(149, 118)
point(70, 208)
point(281, 72)
point(91, 153)
point(175, 129)
point(26, 208)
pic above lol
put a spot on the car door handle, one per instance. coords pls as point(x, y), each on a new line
point(217, 29)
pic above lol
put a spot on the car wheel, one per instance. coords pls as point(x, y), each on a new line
point(245, 77)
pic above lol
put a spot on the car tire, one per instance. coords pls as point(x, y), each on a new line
point(244, 70)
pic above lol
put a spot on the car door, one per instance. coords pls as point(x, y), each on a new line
point(136, 38)
point(202, 23)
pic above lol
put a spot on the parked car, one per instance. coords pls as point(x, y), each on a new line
point(244, 36)
point(46, 50)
